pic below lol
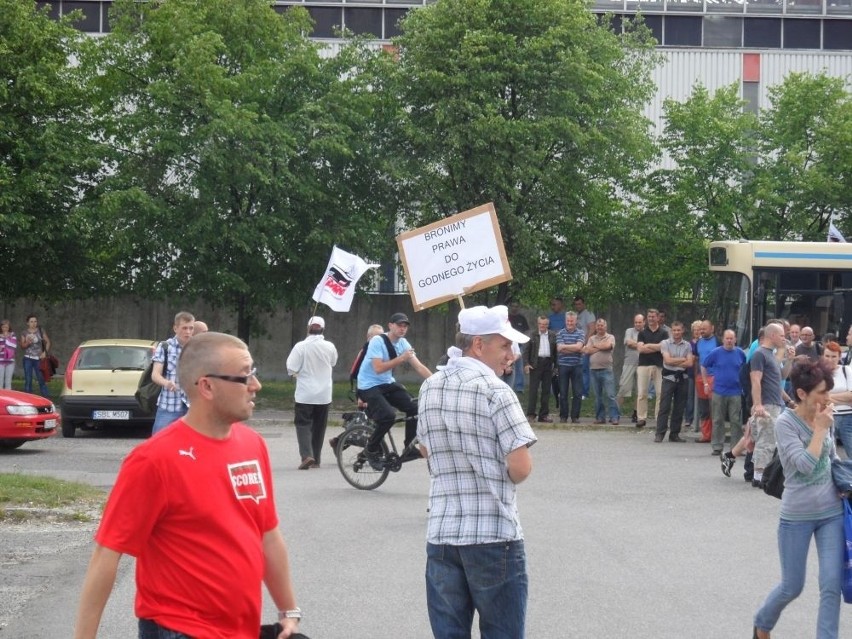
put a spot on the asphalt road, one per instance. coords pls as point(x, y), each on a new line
point(625, 538)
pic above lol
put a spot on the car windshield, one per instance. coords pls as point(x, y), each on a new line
point(98, 358)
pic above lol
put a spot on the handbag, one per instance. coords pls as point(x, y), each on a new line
point(841, 473)
point(773, 477)
point(846, 585)
point(148, 391)
point(272, 630)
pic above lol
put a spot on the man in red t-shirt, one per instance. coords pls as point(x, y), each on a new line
point(194, 505)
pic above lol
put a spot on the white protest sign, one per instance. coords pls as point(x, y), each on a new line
point(454, 256)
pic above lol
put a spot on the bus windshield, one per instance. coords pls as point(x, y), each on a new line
point(729, 308)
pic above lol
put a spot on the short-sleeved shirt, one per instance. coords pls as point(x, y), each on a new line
point(764, 361)
point(704, 346)
point(193, 511)
point(376, 349)
point(724, 365)
point(631, 355)
point(647, 336)
point(675, 349)
point(170, 400)
point(570, 337)
point(585, 318)
point(469, 421)
point(601, 359)
point(557, 321)
point(812, 352)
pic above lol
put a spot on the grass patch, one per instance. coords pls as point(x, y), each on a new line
point(22, 495)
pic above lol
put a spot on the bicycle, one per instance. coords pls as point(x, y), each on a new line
point(359, 471)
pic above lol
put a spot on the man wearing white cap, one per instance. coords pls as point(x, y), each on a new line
point(310, 362)
point(474, 431)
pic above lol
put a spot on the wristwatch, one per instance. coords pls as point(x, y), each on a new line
point(295, 613)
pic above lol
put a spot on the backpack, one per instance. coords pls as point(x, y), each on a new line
point(745, 383)
point(359, 359)
point(147, 391)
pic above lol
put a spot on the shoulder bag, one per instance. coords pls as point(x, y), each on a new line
point(773, 477)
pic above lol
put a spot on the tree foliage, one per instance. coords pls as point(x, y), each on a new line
point(535, 106)
point(43, 156)
point(235, 154)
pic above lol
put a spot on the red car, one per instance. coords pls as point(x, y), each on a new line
point(25, 417)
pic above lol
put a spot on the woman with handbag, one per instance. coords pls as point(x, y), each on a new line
point(810, 506)
point(841, 395)
point(36, 345)
point(8, 348)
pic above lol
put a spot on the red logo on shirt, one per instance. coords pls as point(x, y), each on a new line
point(247, 480)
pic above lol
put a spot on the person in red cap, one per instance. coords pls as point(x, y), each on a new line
point(377, 386)
point(310, 362)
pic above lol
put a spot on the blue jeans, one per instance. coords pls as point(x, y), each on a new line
point(586, 375)
point(794, 538)
point(604, 384)
point(151, 630)
point(490, 579)
point(573, 376)
point(166, 417)
point(843, 424)
point(31, 368)
point(519, 375)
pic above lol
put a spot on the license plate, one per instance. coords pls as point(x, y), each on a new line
point(49, 424)
point(111, 414)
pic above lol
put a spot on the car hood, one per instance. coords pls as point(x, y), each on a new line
point(17, 398)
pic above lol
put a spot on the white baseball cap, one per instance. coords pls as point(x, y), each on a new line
point(481, 320)
point(316, 319)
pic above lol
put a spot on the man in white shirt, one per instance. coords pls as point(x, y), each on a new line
point(310, 362)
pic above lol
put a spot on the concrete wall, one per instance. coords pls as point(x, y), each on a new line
point(431, 332)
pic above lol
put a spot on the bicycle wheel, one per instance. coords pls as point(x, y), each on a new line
point(354, 468)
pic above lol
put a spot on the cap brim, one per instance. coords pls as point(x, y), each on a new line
point(515, 336)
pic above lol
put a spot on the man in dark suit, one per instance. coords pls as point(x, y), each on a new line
point(540, 356)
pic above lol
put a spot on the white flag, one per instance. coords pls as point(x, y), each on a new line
point(834, 235)
point(337, 287)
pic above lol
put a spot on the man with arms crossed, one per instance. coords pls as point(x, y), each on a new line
point(194, 505)
point(171, 405)
point(475, 434)
point(631, 360)
point(377, 386)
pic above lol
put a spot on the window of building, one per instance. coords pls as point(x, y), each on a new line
point(327, 20)
point(762, 33)
point(764, 6)
point(392, 18)
point(105, 25)
point(362, 21)
point(722, 31)
point(686, 5)
point(91, 20)
point(801, 34)
point(837, 34)
point(52, 5)
point(725, 6)
point(804, 6)
point(654, 23)
point(682, 31)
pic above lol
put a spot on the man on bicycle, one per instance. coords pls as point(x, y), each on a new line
point(377, 386)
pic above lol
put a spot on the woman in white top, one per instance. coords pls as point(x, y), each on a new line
point(8, 348)
point(841, 395)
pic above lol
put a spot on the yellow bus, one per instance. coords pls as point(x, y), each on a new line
point(806, 283)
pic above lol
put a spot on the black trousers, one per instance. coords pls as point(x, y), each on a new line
point(311, 421)
point(381, 401)
point(540, 377)
point(672, 403)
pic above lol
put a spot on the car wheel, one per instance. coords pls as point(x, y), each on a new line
point(69, 428)
point(11, 444)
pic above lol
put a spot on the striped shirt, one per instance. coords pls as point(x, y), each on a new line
point(469, 421)
point(570, 337)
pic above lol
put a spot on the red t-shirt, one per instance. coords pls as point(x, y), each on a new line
point(193, 511)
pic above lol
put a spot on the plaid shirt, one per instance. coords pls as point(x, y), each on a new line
point(170, 400)
point(469, 422)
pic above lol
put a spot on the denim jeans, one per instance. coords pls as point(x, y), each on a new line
point(166, 417)
point(586, 375)
point(151, 630)
point(573, 376)
point(604, 384)
point(519, 375)
point(490, 579)
point(31, 368)
point(843, 424)
point(794, 538)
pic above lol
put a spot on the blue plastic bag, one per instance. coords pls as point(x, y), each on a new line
point(847, 553)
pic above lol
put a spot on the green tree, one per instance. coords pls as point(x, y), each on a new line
point(43, 156)
point(535, 106)
point(804, 173)
point(236, 155)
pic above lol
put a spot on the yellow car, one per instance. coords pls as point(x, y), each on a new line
point(100, 382)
